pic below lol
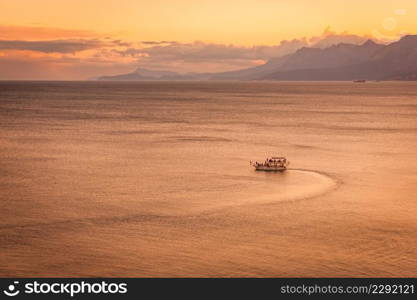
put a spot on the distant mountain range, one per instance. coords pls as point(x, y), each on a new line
point(369, 61)
point(144, 74)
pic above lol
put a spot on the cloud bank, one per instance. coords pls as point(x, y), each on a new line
point(211, 57)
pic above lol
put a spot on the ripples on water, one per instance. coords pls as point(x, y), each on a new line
point(153, 179)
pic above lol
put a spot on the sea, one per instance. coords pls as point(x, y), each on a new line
point(153, 179)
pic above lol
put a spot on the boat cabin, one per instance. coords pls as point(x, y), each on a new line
point(276, 160)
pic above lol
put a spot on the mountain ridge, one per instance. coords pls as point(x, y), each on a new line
point(343, 61)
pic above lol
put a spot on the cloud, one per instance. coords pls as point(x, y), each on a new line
point(157, 42)
point(329, 38)
point(53, 46)
point(205, 57)
point(198, 51)
point(121, 43)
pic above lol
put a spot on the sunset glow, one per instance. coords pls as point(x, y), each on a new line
point(83, 39)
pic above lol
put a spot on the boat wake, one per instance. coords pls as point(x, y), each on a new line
point(294, 185)
point(263, 188)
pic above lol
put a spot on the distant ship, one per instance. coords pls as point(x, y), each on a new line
point(271, 164)
point(359, 80)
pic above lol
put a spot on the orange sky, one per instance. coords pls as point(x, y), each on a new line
point(123, 24)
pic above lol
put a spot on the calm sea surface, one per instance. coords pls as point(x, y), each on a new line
point(153, 179)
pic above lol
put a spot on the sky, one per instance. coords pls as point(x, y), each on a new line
point(82, 39)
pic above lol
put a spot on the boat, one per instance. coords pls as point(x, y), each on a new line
point(271, 164)
point(359, 81)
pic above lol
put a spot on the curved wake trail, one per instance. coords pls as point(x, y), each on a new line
point(292, 185)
